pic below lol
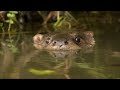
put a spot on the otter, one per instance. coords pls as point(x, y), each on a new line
point(64, 40)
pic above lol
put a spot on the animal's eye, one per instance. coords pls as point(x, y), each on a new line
point(77, 39)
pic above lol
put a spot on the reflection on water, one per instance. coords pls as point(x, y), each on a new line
point(19, 59)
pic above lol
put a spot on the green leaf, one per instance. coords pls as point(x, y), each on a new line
point(41, 72)
point(59, 21)
point(15, 12)
point(7, 21)
point(10, 21)
point(10, 15)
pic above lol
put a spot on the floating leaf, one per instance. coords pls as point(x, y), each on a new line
point(41, 72)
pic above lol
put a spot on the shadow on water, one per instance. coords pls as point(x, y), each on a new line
point(19, 59)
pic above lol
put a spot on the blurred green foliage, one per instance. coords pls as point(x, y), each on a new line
point(70, 19)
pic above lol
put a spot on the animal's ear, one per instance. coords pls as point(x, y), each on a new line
point(37, 38)
point(88, 36)
point(89, 33)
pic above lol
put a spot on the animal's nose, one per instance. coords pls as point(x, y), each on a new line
point(60, 43)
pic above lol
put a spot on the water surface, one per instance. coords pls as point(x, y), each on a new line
point(20, 60)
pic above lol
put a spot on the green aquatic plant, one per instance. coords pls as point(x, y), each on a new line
point(42, 72)
point(11, 18)
point(65, 22)
point(59, 21)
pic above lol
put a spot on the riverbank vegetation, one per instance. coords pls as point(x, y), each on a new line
point(57, 20)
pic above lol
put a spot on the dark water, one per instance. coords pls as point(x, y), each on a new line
point(19, 59)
